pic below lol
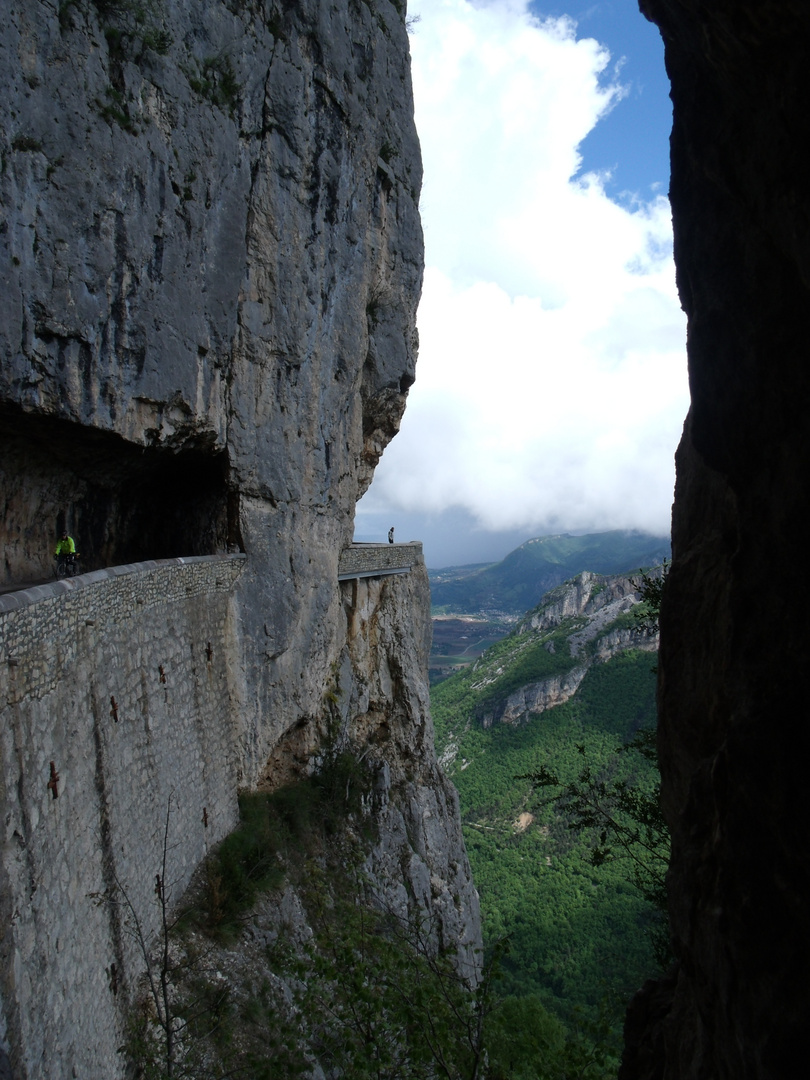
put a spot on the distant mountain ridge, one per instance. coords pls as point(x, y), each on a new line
point(543, 661)
point(519, 581)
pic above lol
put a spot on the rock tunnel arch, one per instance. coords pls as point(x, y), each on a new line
point(121, 502)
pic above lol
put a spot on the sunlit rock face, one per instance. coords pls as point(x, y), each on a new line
point(593, 603)
point(211, 258)
point(734, 630)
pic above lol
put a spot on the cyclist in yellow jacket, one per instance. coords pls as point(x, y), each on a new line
point(66, 557)
point(65, 546)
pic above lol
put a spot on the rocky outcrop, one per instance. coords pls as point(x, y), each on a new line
point(536, 698)
point(580, 617)
point(420, 860)
point(380, 711)
point(734, 638)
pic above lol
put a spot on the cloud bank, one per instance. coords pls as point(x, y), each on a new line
point(551, 384)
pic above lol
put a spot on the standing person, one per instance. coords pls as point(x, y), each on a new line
point(391, 535)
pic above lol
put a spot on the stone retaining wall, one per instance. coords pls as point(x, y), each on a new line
point(117, 716)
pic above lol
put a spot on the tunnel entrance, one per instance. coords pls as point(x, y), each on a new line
point(121, 503)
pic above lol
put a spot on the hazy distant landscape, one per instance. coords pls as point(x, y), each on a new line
point(474, 606)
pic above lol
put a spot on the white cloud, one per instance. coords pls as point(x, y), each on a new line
point(551, 385)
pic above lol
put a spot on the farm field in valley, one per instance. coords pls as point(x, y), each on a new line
point(458, 640)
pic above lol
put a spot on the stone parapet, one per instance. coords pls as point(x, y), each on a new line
point(378, 560)
point(226, 567)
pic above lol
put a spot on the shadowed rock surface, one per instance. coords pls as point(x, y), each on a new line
point(734, 637)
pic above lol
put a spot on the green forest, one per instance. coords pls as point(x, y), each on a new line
point(580, 937)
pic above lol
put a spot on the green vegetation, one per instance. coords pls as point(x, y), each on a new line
point(583, 934)
point(133, 28)
point(379, 297)
point(130, 26)
point(193, 1023)
point(564, 831)
point(252, 858)
point(651, 588)
point(621, 818)
point(216, 81)
point(530, 663)
point(621, 814)
point(115, 109)
point(386, 1000)
point(365, 991)
point(26, 144)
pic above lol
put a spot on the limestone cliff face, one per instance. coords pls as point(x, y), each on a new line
point(420, 858)
point(212, 257)
point(734, 637)
point(586, 608)
point(380, 710)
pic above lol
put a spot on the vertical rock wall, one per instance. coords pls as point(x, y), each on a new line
point(734, 740)
point(420, 861)
point(212, 257)
point(379, 710)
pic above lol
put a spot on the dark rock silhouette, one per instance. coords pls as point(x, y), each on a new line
point(734, 634)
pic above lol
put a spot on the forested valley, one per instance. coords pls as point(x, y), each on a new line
point(548, 738)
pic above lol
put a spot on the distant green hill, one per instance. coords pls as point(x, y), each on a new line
point(521, 579)
point(575, 671)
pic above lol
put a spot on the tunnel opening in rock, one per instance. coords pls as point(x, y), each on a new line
point(121, 502)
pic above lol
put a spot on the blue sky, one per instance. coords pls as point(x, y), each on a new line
point(633, 140)
point(551, 383)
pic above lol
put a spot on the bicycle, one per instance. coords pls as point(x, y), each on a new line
point(67, 565)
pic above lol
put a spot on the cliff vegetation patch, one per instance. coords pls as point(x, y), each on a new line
point(286, 958)
point(130, 26)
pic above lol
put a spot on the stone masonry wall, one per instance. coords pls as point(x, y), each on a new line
point(117, 718)
point(363, 559)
